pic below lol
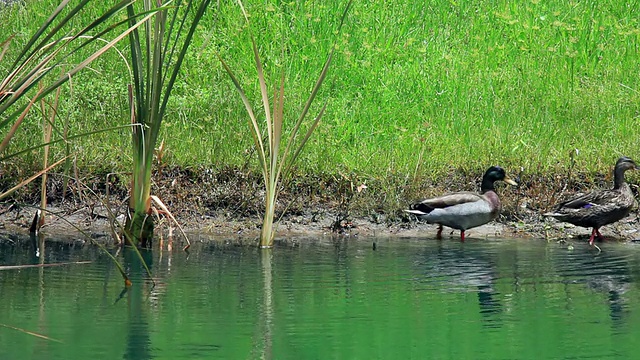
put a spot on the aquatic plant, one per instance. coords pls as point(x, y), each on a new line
point(51, 47)
point(48, 120)
point(157, 52)
point(274, 164)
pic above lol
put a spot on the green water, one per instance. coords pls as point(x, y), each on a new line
point(327, 299)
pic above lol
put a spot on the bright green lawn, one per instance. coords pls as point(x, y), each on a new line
point(415, 86)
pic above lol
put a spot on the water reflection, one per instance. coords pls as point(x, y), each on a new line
point(497, 273)
point(463, 267)
point(614, 288)
point(338, 298)
point(137, 330)
point(607, 274)
point(266, 328)
point(489, 301)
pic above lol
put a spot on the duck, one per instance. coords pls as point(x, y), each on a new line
point(600, 207)
point(464, 210)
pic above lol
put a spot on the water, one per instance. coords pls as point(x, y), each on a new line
point(327, 299)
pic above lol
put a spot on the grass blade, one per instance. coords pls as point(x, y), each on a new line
point(71, 137)
point(5, 45)
point(254, 121)
point(187, 41)
point(263, 92)
point(63, 79)
point(39, 33)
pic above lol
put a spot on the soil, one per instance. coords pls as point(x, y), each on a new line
point(226, 205)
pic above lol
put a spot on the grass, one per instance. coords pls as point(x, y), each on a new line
point(415, 90)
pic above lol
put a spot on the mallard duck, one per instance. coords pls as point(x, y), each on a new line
point(464, 210)
point(601, 207)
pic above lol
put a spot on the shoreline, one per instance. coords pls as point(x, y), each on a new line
point(246, 231)
point(227, 205)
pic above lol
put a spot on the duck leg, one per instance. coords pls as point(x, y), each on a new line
point(593, 235)
point(461, 235)
point(439, 234)
point(595, 232)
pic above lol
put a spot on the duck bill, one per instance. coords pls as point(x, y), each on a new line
point(510, 181)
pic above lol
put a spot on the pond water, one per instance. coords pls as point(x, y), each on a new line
point(326, 299)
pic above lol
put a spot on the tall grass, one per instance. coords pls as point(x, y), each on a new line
point(463, 84)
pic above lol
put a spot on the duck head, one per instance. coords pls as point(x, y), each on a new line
point(493, 174)
point(625, 163)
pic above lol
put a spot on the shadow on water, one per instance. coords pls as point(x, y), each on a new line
point(25, 249)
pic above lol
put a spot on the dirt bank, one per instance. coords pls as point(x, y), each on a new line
point(227, 204)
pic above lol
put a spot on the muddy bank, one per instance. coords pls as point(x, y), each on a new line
point(227, 204)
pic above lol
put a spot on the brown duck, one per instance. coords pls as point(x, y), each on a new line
point(464, 210)
point(602, 207)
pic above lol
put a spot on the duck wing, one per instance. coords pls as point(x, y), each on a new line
point(586, 201)
point(445, 201)
point(596, 208)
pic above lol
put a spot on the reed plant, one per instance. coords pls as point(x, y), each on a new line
point(49, 112)
point(32, 77)
point(157, 53)
point(49, 49)
point(276, 159)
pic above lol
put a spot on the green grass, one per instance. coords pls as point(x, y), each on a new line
point(414, 89)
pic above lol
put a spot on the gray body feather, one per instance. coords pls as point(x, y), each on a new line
point(461, 211)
